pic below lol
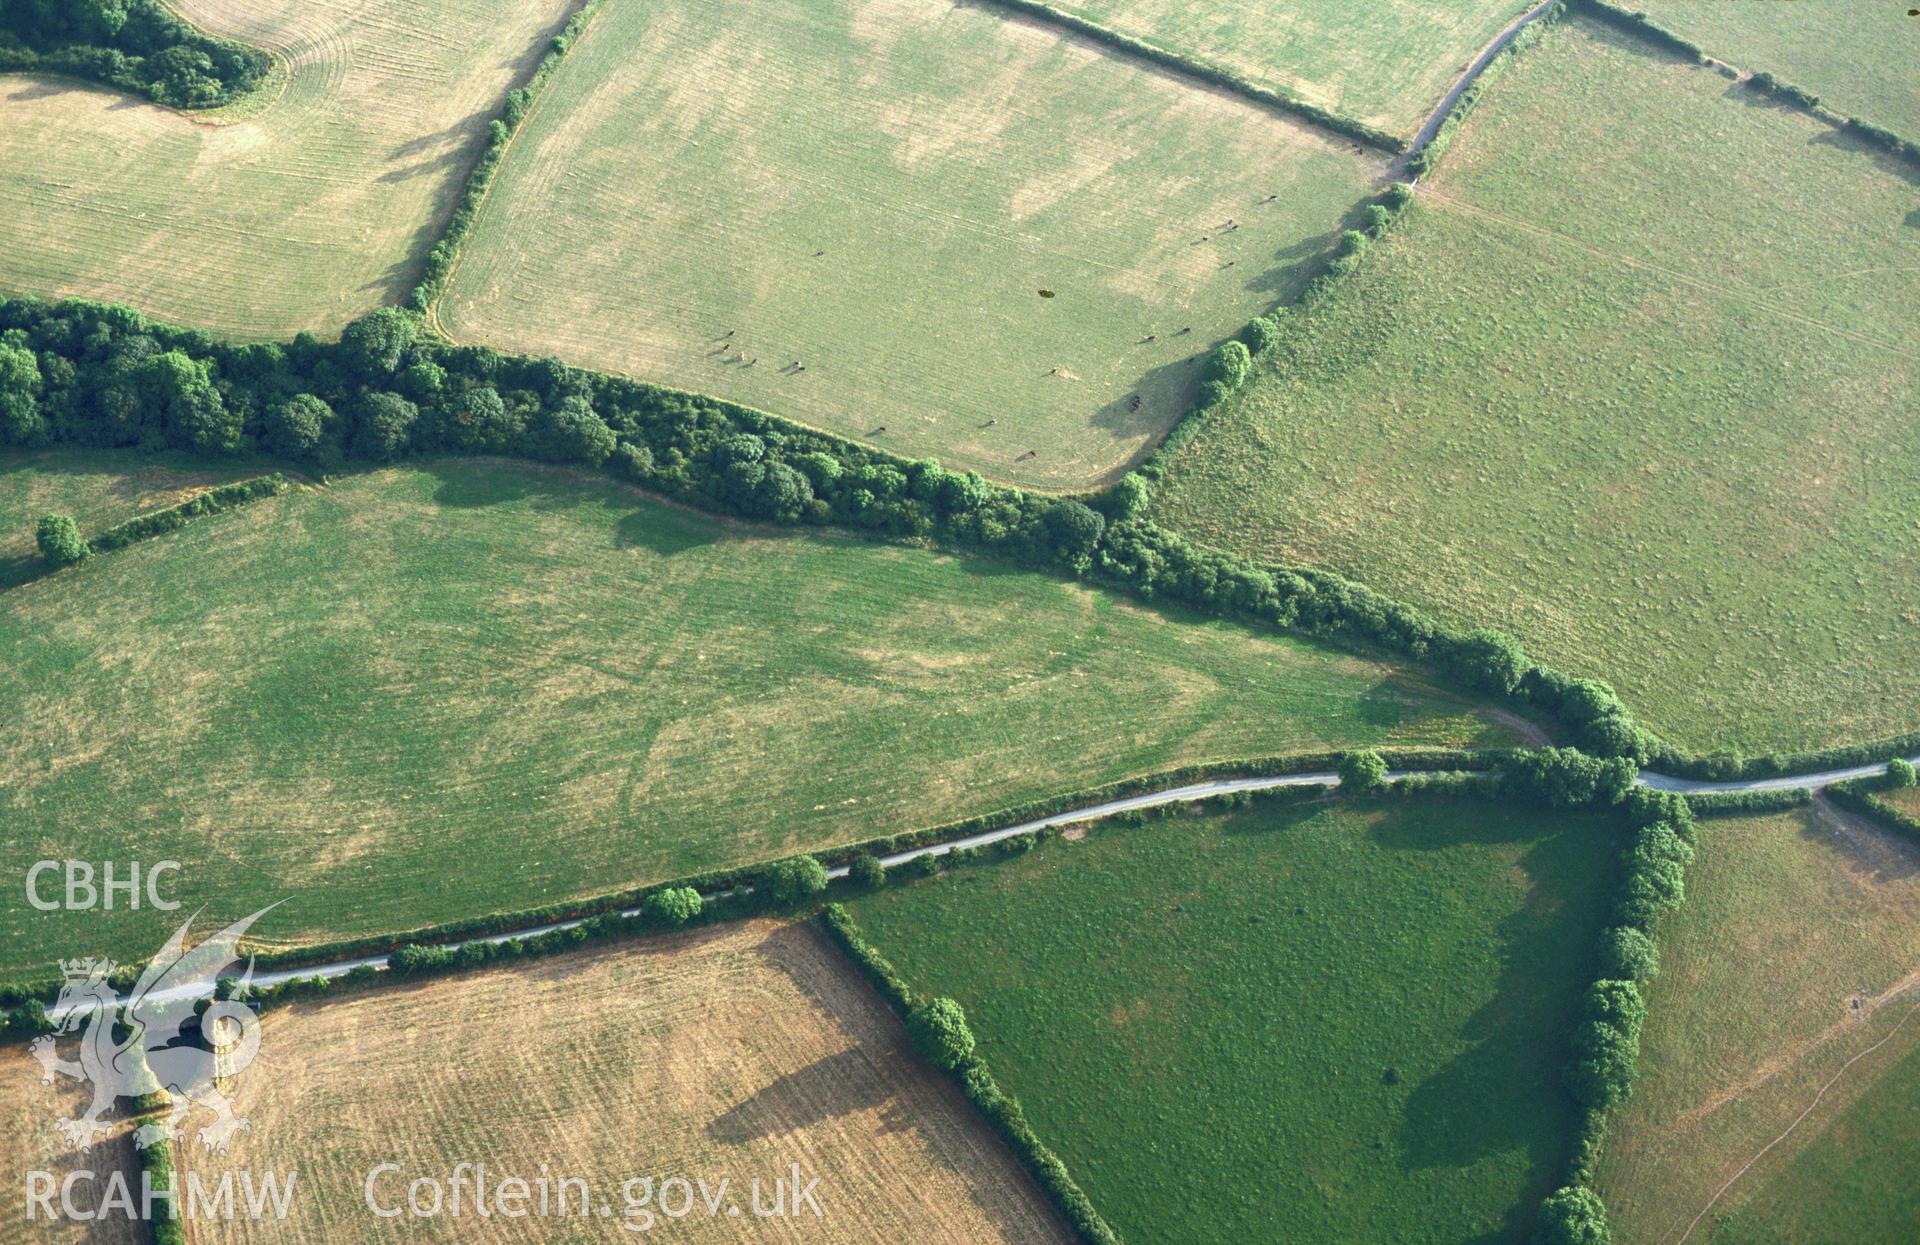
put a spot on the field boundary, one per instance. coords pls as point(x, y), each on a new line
point(1861, 795)
point(172, 518)
point(1464, 94)
point(1762, 81)
point(444, 255)
point(975, 1079)
point(1208, 72)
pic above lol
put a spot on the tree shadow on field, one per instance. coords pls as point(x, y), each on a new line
point(31, 89)
point(826, 1089)
point(1165, 393)
point(664, 531)
point(453, 149)
point(1504, 1091)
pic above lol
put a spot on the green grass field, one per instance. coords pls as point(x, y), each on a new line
point(300, 208)
point(1862, 57)
point(964, 227)
point(1796, 954)
point(429, 693)
point(1318, 1023)
point(1652, 421)
point(1384, 63)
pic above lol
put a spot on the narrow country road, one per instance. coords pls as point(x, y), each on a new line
point(1094, 812)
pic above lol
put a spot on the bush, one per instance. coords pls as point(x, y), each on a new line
point(865, 870)
point(1627, 954)
point(671, 908)
point(373, 345)
point(60, 541)
point(1566, 778)
point(939, 1031)
point(295, 428)
point(1362, 772)
point(1900, 773)
point(1260, 334)
point(1228, 365)
point(384, 429)
point(796, 880)
point(1573, 1216)
point(1074, 528)
point(1128, 497)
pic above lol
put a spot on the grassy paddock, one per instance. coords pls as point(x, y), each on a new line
point(296, 209)
point(881, 191)
point(1797, 951)
point(1326, 1023)
point(1861, 59)
point(432, 693)
point(1651, 422)
point(727, 1054)
point(1384, 63)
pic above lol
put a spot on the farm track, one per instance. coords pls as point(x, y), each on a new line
point(1153, 799)
point(1464, 83)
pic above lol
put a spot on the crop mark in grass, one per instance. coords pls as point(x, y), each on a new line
point(1799, 1119)
point(1738, 293)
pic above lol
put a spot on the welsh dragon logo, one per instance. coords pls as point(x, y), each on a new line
point(170, 1042)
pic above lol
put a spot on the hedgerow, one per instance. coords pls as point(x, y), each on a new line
point(939, 1030)
point(1861, 796)
point(500, 132)
point(1739, 803)
point(1207, 71)
point(172, 518)
point(1638, 23)
point(164, 1213)
point(139, 46)
point(1763, 82)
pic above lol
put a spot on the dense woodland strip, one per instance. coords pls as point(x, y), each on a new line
point(137, 45)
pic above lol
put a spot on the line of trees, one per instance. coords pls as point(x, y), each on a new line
point(98, 374)
point(139, 46)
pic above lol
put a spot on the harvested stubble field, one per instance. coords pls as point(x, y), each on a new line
point(1653, 422)
point(1796, 955)
point(962, 226)
point(1386, 62)
point(732, 1053)
point(30, 1141)
point(295, 209)
point(438, 692)
point(1861, 57)
point(1317, 1023)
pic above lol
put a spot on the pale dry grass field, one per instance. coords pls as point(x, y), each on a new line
point(966, 228)
point(1386, 62)
point(30, 1142)
point(297, 209)
point(732, 1053)
point(1796, 956)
